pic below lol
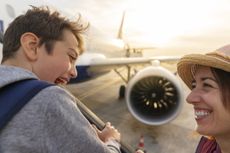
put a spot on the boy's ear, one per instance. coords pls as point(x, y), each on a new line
point(29, 43)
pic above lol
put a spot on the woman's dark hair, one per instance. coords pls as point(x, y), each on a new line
point(223, 79)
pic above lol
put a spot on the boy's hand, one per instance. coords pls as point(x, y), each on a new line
point(109, 132)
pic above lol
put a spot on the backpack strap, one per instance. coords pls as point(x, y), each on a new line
point(15, 95)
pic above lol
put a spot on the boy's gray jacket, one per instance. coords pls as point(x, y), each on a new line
point(49, 123)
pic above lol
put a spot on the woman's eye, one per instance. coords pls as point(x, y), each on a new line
point(193, 85)
point(208, 85)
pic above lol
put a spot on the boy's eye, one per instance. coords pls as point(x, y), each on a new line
point(72, 58)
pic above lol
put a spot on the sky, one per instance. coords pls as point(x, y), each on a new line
point(170, 26)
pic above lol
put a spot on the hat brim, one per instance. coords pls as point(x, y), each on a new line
point(184, 66)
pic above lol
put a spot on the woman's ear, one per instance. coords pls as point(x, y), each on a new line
point(29, 42)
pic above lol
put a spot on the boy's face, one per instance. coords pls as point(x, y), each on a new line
point(59, 66)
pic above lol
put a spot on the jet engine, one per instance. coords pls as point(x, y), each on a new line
point(154, 96)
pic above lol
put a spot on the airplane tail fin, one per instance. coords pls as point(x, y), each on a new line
point(129, 50)
point(120, 31)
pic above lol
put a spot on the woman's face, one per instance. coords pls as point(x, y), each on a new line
point(211, 116)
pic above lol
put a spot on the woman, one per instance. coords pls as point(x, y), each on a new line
point(208, 77)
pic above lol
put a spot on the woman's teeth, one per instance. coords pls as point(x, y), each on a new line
point(201, 114)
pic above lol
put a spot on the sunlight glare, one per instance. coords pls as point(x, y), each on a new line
point(161, 21)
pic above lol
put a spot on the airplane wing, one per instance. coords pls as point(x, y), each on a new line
point(132, 60)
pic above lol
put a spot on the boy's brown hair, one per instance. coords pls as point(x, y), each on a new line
point(47, 25)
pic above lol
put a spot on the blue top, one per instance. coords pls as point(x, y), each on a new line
point(50, 122)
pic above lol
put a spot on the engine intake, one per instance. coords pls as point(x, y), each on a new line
point(154, 96)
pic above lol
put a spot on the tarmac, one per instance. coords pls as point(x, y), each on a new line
point(101, 96)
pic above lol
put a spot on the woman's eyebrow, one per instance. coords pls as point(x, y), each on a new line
point(204, 78)
point(208, 78)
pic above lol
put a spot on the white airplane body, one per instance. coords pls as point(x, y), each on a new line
point(154, 96)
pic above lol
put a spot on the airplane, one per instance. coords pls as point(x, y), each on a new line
point(153, 94)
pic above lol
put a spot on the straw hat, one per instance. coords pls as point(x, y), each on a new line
point(219, 58)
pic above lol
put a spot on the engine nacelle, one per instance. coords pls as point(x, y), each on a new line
point(154, 96)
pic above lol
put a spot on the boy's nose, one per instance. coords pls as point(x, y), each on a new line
point(73, 72)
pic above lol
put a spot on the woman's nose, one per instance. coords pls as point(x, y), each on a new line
point(193, 97)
